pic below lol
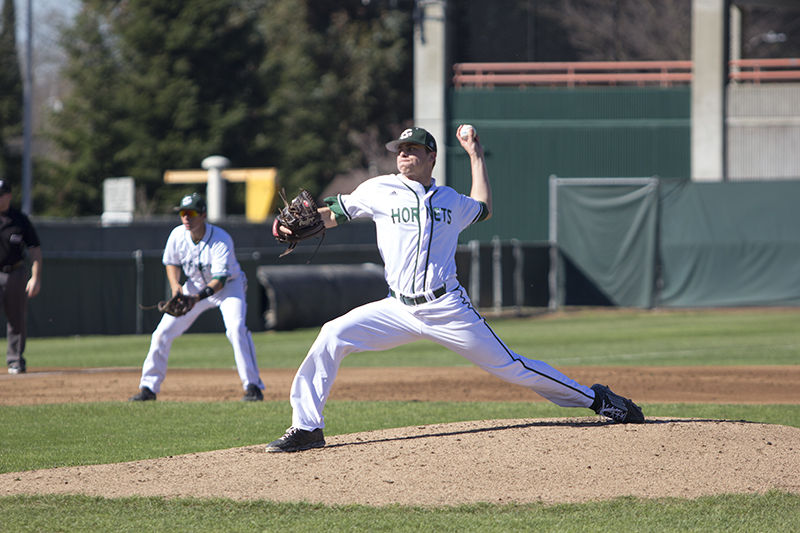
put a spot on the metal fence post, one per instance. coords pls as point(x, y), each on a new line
point(519, 282)
point(497, 274)
point(475, 273)
point(552, 276)
point(137, 257)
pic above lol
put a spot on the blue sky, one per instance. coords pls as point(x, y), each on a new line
point(41, 8)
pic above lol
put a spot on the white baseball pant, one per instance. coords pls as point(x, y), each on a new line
point(450, 321)
point(233, 306)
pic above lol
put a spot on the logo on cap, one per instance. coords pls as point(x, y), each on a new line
point(406, 134)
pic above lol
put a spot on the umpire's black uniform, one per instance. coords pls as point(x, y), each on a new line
point(16, 235)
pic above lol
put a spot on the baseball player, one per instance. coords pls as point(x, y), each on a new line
point(205, 254)
point(417, 224)
point(18, 238)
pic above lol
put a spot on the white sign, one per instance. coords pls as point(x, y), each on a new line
point(118, 200)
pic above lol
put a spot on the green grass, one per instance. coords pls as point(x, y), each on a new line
point(773, 512)
point(635, 338)
point(46, 436)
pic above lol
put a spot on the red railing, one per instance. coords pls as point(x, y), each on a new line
point(758, 70)
point(570, 74)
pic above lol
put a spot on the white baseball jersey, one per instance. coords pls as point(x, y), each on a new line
point(417, 234)
point(417, 230)
point(213, 256)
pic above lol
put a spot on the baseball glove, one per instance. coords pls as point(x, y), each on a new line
point(178, 305)
point(301, 217)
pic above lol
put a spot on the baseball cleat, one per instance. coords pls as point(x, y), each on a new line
point(144, 395)
point(16, 368)
point(253, 394)
point(297, 440)
point(615, 407)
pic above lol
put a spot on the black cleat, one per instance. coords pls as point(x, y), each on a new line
point(615, 407)
point(17, 368)
point(144, 395)
point(253, 394)
point(297, 440)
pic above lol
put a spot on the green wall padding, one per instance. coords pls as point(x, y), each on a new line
point(534, 132)
point(609, 232)
point(714, 244)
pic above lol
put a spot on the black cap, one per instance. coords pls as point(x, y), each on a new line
point(5, 186)
point(413, 136)
point(192, 201)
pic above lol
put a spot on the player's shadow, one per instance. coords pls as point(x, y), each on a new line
point(576, 423)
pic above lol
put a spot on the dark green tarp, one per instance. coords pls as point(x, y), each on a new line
point(609, 234)
point(730, 244)
point(684, 244)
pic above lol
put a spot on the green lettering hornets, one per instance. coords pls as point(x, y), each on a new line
point(417, 224)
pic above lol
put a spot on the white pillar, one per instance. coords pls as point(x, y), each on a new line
point(430, 77)
point(709, 57)
point(215, 188)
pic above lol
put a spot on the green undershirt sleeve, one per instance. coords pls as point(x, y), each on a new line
point(333, 203)
point(484, 212)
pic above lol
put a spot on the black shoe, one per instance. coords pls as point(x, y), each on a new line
point(615, 407)
point(253, 394)
point(296, 440)
point(144, 395)
point(17, 367)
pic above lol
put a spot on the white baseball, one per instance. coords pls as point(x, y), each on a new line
point(465, 130)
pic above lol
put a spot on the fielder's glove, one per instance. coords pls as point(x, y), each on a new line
point(301, 217)
point(178, 305)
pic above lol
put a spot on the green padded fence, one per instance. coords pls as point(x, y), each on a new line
point(673, 243)
point(530, 133)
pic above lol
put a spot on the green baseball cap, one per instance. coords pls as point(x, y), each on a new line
point(192, 201)
point(413, 136)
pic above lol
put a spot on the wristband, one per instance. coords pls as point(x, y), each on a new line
point(205, 293)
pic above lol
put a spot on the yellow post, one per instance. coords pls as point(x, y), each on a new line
point(261, 186)
point(260, 189)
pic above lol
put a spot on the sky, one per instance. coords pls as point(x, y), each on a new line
point(47, 15)
point(41, 8)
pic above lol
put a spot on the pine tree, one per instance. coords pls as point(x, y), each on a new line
point(10, 92)
point(160, 85)
point(338, 69)
point(156, 86)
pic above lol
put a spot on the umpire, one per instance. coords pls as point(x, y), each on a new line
point(17, 235)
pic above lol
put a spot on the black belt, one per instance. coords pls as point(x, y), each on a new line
point(417, 300)
point(10, 268)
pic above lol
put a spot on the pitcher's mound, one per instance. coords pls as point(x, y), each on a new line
point(498, 461)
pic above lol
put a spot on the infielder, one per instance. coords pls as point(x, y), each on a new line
point(205, 254)
point(417, 224)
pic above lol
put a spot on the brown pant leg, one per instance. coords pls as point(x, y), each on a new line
point(15, 305)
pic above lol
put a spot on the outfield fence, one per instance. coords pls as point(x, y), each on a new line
point(102, 293)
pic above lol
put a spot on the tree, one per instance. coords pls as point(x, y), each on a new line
point(156, 85)
point(622, 30)
point(10, 92)
point(340, 74)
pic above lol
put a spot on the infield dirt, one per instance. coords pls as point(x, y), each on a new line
point(502, 461)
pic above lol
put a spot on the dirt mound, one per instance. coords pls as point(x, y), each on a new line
point(509, 461)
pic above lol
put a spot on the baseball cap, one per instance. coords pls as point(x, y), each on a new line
point(192, 201)
point(413, 136)
point(5, 186)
